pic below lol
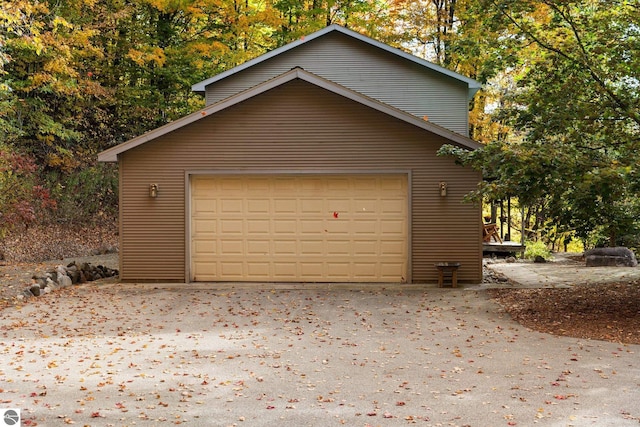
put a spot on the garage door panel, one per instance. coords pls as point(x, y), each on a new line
point(392, 207)
point(285, 247)
point(365, 184)
point(392, 227)
point(231, 206)
point(366, 207)
point(365, 270)
point(365, 247)
point(285, 270)
point(205, 248)
point(258, 269)
point(231, 226)
point(255, 186)
point(393, 247)
point(312, 247)
point(390, 270)
point(232, 269)
point(339, 271)
point(258, 247)
point(346, 228)
point(311, 270)
point(397, 183)
point(258, 206)
point(206, 270)
point(283, 184)
point(204, 206)
point(338, 205)
point(312, 227)
point(205, 226)
point(311, 206)
point(258, 226)
point(285, 206)
point(229, 184)
point(365, 226)
point(284, 226)
point(337, 247)
point(338, 183)
point(338, 227)
point(232, 247)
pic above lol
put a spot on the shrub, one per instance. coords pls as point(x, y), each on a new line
point(87, 195)
point(535, 249)
point(23, 201)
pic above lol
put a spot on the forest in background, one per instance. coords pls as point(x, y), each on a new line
point(559, 115)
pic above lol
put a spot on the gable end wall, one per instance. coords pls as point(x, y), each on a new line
point(365, 69)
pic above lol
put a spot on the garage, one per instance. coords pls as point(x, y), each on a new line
point(299, 178)
point(299, 228)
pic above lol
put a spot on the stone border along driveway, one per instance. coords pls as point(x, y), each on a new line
point(17, 278)
point(124, 355)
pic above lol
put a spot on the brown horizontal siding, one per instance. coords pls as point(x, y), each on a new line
point(152, 230)
point(295, 128)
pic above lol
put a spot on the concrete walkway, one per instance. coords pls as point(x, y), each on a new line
point(561, 272)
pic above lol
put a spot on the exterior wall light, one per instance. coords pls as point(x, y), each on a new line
point(153, 191)
point(443, 189)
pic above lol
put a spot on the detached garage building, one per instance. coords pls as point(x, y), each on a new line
point(313, 163)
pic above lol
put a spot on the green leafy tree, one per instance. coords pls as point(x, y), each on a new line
point(574, 111)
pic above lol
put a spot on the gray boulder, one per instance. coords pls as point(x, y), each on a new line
point(64, 281)
point(611, 257)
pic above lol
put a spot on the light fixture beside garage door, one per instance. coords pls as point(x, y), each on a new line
point(153, 191)
point(443, 189)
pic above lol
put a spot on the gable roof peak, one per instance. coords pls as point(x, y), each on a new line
point(473, 85)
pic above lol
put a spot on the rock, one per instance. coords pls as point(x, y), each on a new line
point(61, 270)
point(491, 276)
point(63, 276)
point(64, 281)
point(35, 290)
point(611, 257)
point(511, 260)
point(40, 281)
point(539, 259)
point(75, 276)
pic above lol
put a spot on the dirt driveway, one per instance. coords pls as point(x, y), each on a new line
point(124, 355)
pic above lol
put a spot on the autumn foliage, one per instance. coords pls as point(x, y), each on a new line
point(22, 199)
point(559, 113)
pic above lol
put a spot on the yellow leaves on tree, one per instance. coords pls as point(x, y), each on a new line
point(148, 56)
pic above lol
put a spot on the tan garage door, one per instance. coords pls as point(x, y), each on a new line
point(318, 228)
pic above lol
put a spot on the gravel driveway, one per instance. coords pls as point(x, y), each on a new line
point(124, 355)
